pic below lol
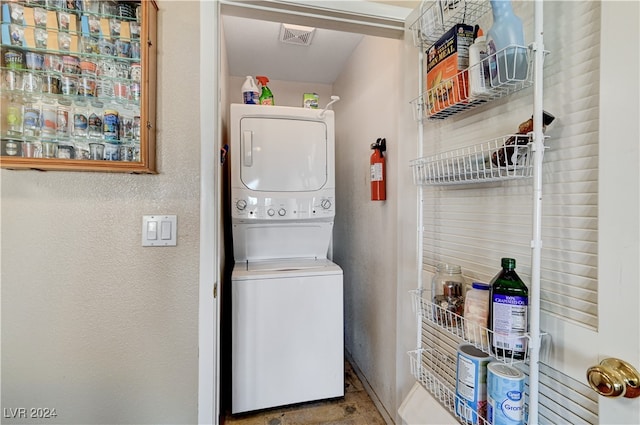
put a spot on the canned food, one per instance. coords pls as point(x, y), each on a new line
point(471, 383)
point(505, 398)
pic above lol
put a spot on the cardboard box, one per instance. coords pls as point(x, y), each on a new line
point(447, 63)
point(310, 100)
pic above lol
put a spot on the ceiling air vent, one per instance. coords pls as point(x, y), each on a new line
point(296, 34)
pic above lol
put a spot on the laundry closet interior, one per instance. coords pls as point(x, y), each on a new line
point(388, 250)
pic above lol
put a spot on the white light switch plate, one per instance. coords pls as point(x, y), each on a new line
point(159, 230)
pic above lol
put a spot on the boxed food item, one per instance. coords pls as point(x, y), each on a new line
point(447, 63)
point(310, 100)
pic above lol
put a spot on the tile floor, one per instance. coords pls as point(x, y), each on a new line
point(355, 408)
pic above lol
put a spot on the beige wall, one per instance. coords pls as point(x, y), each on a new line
point(285, 93)
point(365, 231)
point(93, 324)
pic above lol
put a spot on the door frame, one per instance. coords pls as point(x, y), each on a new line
point(210, 204)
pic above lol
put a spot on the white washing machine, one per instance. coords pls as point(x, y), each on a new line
point(287, 334)
point(287, 296)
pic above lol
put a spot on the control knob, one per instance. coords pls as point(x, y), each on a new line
point(282, 212)
point(241, 204)
point(271, 212)
point(325, 203)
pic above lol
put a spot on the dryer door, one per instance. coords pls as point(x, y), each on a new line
point(283, 154)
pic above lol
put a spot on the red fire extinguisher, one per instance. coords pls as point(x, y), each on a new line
point(378, 172)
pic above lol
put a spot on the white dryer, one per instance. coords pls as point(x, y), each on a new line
point(287, 296)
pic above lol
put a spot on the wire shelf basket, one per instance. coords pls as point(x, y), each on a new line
point(468, 331)
point(437, 17)
point(498, 75)
point(427, 366)
point(503, 158)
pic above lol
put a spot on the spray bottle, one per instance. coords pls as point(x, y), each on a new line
point(250, 91)
point(266, 98)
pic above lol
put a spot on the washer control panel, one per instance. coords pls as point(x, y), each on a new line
point(267, 208)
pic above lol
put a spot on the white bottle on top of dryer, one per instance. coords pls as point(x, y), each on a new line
point(250, 92)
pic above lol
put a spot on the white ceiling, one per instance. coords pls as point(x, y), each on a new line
point(253, 46)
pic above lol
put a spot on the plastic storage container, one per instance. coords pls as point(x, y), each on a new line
point(479, 81)
point(476, 314)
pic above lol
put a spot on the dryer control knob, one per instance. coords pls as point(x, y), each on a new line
point(282, 212)
point(325, 203)
point(271, 212)
point(241, 204)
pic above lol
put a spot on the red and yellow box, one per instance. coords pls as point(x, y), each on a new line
point(447, 63)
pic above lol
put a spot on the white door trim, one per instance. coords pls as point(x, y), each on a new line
point(209, 311)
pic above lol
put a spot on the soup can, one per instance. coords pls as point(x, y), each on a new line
point(505, 398)
point(471, 383)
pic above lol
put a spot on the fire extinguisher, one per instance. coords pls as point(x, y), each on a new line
point(378, 172)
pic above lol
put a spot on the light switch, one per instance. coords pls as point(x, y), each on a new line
point(152, 230)
point(159, 230)
point(165, 230)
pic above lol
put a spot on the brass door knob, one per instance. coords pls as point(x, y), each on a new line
point(614, 378)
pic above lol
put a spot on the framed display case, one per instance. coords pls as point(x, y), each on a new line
point(78, 85)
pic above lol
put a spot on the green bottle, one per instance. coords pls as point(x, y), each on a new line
point(508, 314)
point(266, 97)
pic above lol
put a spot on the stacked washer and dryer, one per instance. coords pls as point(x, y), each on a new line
point(287, 295)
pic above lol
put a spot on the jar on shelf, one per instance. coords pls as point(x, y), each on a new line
point(447, 294)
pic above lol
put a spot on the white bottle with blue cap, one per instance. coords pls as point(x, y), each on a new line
point(250, 92)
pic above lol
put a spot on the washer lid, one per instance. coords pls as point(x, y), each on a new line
point(264, 241)
point(284, 268)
